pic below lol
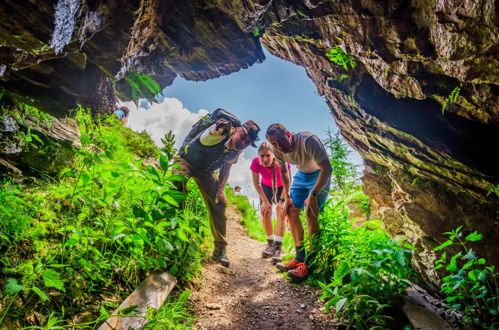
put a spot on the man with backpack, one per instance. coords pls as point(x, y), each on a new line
point(215, 143)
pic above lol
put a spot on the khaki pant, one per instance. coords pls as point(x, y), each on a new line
point(208, 185)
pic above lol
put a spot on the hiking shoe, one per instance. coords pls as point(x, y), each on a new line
point(276, 253)
point(267, 252)
point(284, 267)
point(300, 273)
point(221, 257)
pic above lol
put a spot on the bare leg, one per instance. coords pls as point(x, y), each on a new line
point(267, 222)
point(281, 223)
point(312, 225)
point(295, 225)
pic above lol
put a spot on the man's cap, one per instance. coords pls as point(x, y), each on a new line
point(252, 129)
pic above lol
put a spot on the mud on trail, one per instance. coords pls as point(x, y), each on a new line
point(251, 294)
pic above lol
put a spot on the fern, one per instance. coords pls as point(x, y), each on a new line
point(142, 86)
point(452, 97)
point(337, 55)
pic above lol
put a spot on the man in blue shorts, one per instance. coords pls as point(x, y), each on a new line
point(309, 188)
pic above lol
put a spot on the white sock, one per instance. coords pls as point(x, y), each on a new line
point(278, 238)
point(270, 237)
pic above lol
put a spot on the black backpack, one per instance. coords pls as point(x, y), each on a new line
point(206, 122)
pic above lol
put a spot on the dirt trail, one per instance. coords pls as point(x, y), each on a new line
point(251, 294)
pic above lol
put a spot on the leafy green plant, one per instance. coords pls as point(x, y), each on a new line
point(107, 221)
point(471, 285)
point(256, 32)
point(173, 314)
point(344, 179)
point(142, 86)
point(452, 97)
point(337, 55)
point(360, 270)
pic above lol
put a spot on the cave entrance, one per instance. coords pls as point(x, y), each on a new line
point(268, 92)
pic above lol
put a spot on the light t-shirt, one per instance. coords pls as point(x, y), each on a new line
point(266, 172)
point(308, 153)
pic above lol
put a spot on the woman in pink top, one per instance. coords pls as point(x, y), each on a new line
point(269, 189)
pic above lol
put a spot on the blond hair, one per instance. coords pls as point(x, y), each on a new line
point(265, 146)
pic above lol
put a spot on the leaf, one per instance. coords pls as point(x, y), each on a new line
point(467, 265)
point(400, 258)
point(66, 171)
point(51, 279)
point(43, 296)
point(85, 178)
point(482, 276)
point(339, 304)
point(342, 269)
point(328, 305)
point(471, 255)
point(443, 245)
point(410, 247)
point(168, 245)
point(170, 199)
point(453, 263)
point(472, 275)
point(12, 287)
point(151, 169)
point(474, 237)
point(163, 162)
point(37, 138)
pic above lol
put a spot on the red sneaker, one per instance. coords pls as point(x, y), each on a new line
point(284, 267)
point(300, 273)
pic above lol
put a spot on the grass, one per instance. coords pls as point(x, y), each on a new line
point(174, 314)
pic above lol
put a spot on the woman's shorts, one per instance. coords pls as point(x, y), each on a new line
point(302, 186)
point(268, 193)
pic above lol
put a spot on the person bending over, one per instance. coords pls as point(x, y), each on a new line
point(269, 189)
point(207, 149)
point(309, 188)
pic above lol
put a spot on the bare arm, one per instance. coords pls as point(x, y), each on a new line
point(223, 176)
point(324, 175)
point(286, 180)
point(266, 207)
point(322, 179)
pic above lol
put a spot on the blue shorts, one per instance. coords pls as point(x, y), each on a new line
point(302, 186)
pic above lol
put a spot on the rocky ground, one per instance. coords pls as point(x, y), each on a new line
point(251, 294)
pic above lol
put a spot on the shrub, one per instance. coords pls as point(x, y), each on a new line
point(471, 285)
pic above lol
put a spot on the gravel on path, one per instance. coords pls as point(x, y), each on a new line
point(251, 293)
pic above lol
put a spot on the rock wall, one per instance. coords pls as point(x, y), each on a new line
point(31, 146)
point(420, 103)
point(429, 167)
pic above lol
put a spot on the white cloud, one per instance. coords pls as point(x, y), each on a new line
point(162, 117)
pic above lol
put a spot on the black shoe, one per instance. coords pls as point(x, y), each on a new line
point(221, 257)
